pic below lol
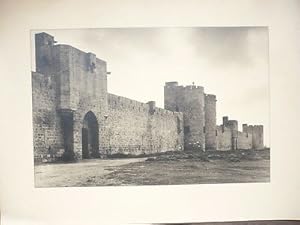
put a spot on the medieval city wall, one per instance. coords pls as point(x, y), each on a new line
point(139, 128)
point(228, 139)
point(47, 132)
point(75, 117)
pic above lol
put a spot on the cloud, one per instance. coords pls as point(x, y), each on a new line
point(231, 46)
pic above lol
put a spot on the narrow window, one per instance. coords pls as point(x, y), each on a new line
point(186, 129)
point(178, 126)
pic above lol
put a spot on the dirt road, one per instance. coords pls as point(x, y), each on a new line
point(163, 169)
point(77, 174)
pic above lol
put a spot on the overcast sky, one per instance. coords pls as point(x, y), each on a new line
point(230, 62)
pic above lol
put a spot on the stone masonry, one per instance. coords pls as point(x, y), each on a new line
point(74, 117)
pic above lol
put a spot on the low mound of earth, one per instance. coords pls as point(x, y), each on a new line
point(232, 156)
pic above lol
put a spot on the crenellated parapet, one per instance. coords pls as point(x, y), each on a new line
point(230, 138)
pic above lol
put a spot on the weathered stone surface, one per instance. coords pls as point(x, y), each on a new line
point(47, 132)
point(74, 84)
point(138, 128)
point(190, 101)
point(224, 138)
point(210, 122)
point(74, 116)
point(257, 132)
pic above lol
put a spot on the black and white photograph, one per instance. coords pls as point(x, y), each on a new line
point(150, 106)
point(136, 112)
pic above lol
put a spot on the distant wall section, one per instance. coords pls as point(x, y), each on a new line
point(257, 132)
point(244, 140)
point(224, 138)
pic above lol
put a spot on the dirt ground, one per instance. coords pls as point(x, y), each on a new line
point(165, 169)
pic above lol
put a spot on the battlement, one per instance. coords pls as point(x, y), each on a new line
point(120, 102)
point(51, 56)
point(44, 39)
point(171, 84)
point(174, 84)
point(257, 132)
point(79, 75)
point(191, 87)
point(231, 124)
point(161, 111)
point(210, 97)
point(251, 128)
point(151, 107)
point(123, 103)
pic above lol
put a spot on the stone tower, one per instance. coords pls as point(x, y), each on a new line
point(210, 122)
point(257, 132)
point(81, 93)
point(190, 100)
point(233, 126)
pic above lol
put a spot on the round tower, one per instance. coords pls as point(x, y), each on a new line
point(190, 101)
point(210, 122)
point(170, 96)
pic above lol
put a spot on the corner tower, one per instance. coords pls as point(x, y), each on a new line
point(190, 101)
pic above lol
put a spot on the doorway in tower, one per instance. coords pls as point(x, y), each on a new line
point(68, 138)
point(90, 136)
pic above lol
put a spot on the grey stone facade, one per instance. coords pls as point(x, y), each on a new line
point(74, 116)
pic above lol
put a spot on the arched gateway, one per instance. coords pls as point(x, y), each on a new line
point(90, 136)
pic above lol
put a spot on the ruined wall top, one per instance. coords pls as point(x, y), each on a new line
point(210, 97)
point(49, 55)
point(81, 76)
point(232, 124)
point(251, 128)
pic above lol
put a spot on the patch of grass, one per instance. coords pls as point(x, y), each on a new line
point(190, 171)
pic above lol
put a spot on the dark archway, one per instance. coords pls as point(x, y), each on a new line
point(68, 137)
point(90, 136)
